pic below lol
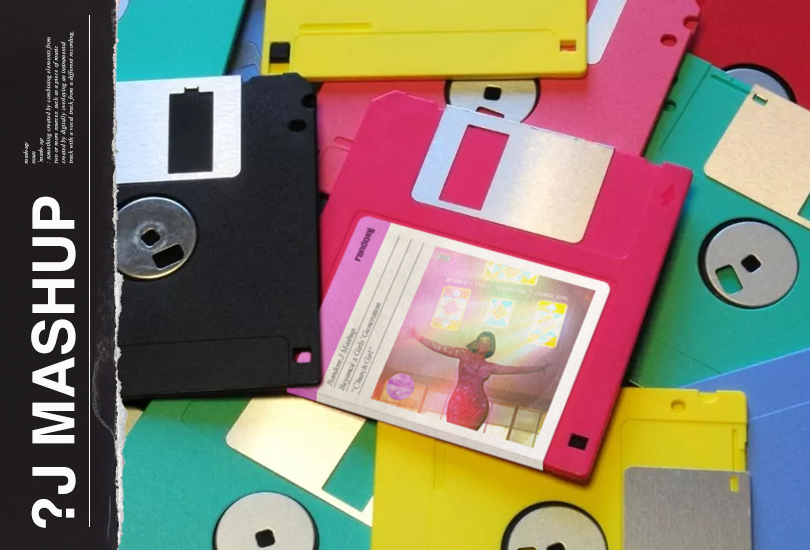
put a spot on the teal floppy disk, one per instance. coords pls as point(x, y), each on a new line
point(735, 290)
point(160, 39)
point(186, 484)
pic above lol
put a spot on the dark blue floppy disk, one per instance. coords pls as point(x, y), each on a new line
point(778, 446)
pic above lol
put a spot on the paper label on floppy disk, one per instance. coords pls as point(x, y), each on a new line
point(303, 442)
point(465, 344)
point(763, 155)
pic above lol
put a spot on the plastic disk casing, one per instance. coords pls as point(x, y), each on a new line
point(623, 245)
point(450, 497)
point(370, 40)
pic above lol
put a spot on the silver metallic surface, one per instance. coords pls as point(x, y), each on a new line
point(686, 509)
point(162, 219)
point(755, 77)
point(546, 183)
point(142, 135)
point(516, 102)
point(556, 526)
point(290, 524)
point(741, 241)
point(603, 21)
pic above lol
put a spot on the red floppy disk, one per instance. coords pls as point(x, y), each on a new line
point(634, 50)
point(486, 280)
point(758, 42)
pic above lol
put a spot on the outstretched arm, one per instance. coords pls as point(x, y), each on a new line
point(435, 346)
point(438, 348)
point(502, 369)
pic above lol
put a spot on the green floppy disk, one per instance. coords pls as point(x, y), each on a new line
point(273, 472)
point(735, 290)
point(160, 39)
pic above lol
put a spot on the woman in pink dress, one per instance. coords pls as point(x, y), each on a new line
point(469, 405)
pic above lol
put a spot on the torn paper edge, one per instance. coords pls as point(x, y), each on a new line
point(121, 413)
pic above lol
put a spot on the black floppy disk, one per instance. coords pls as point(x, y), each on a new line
point(217, 235)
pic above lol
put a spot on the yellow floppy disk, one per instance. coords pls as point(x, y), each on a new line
point(671, 474)
point(425, 39)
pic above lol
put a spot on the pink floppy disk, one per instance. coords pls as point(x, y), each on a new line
point(486, 280)
point(634, 50)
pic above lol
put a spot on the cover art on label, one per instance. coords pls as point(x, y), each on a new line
point(483, 346)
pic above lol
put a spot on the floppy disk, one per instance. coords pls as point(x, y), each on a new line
point(217, 235)
point(634, 50)
point(133, 415)
point(371, 40)
point(309, 488)
point(246, 59)
point(152, 45)
point(464, 247)
point(671, 474)
point(759, 43)
point(779, 450)
point(735, 289)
